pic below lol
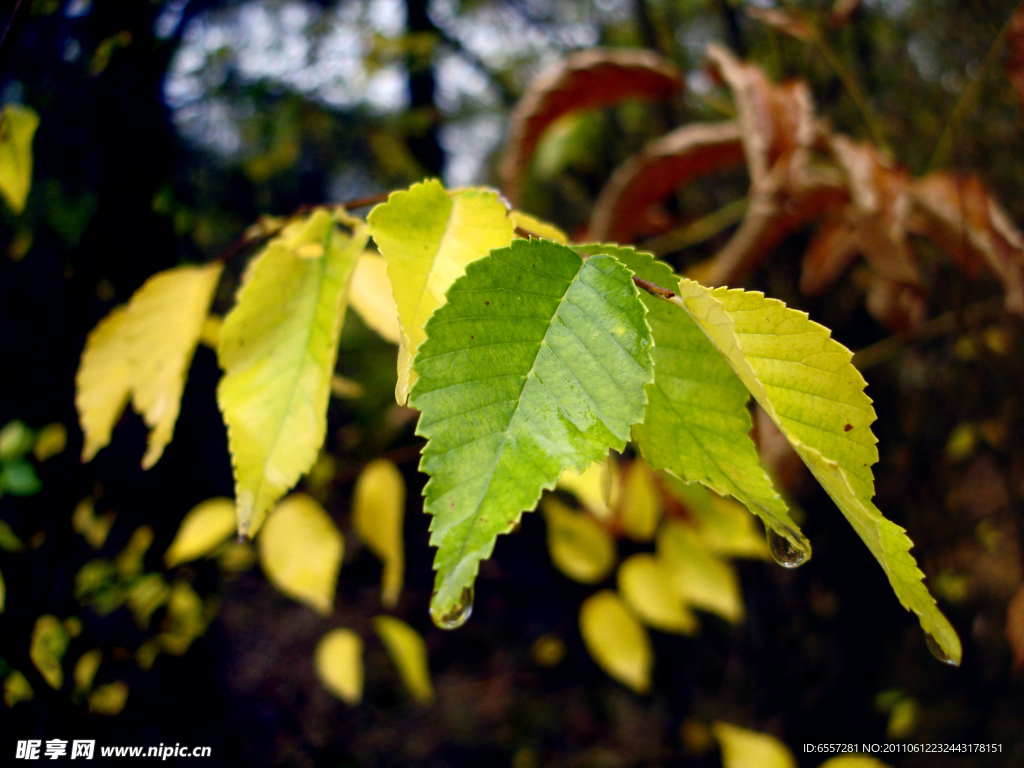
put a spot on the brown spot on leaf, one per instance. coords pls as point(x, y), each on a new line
point(848, 427)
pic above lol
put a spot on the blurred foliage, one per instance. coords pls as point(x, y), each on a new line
point(167, 128)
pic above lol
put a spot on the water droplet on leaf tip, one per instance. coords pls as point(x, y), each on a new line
point(936, 650)
point(784, 552)
point(455, 616)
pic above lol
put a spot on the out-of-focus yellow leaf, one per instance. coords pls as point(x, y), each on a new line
point(92, 528)
point(165, 318)
point(278, 348)
point(9, 542)
point(301, 550)
point(853, 761)
point(378, 507)
point(617, 641)
point(640, 505)
point(409, 652)
point(129, 560)
point(580, 548)
point(538, 227)
point(50, 640)
point(16, 688)
point(51, 441)
point(371, 297)
point(145, 595)
point(187, 618)
point(109, 699)
point(17, 128)
point(727, 528)
point(648, 591)
point(206, 526)
point(347, 389)
point(700, 577)
point(548, 651)
point(427, 236)
point(597, 487)
point(104, 380)
point(209, 335)
point(339, 664)
point(742, 748)
point(85, 669)
point(903, 719)
point(144, 351)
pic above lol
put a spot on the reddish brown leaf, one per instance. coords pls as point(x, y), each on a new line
point(899, 306)
point(587, 80)
point(1015, 51)
point(831, 250)
point(777, 122)
point(965, 220)
point(686, 154)
point(1015, 628)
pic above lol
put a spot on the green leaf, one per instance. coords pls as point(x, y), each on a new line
point(536, 364)
point(806, 383)
point(278, 347)
point(697, 426)
point(427, 236)
point(17, 128)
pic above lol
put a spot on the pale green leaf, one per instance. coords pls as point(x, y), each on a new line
point(278, 347)
point(805, 382)
point(409, 652)
point(301, 551)
point(17, 128)
point(378, 510)
point(742, 748)
point(103, 383)
point(536, 364)
point(579, 546)
point(339, 664)
point(699, 577)
point(646, 586)
point(206, 526)
point(50, 639)
point(165, 318)
point(697, 426)
point(427, 237)
point(616, 640)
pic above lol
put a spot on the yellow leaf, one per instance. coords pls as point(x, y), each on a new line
point(85, 669)
point(129, 560)
point(427, 236)
point(700, 577)
point(109, 699)
point(548, 651)
point(301, 550)
point(648, 591)
point(209, 336)
point(16, 688)
point(534, 226)
point(278, 347)
point(724, 525)
point(17, 128)
point(378, 506)
point(92, 528)
point(143, 351)
point(580, 548)
point(165, 317)
point(853, 761)
point(104, 380)
point(339, 664)
point(186, 619)
point(51, 441)
point(616, 640)
point(749, 749)
point(371, 297)
point(597, 487)
point(206, 526)
point(640, 505)
point(50, 640)
point(409, 652)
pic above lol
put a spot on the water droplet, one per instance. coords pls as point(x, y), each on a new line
point(783, 551)
point(455, 616)
point(937, 652)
